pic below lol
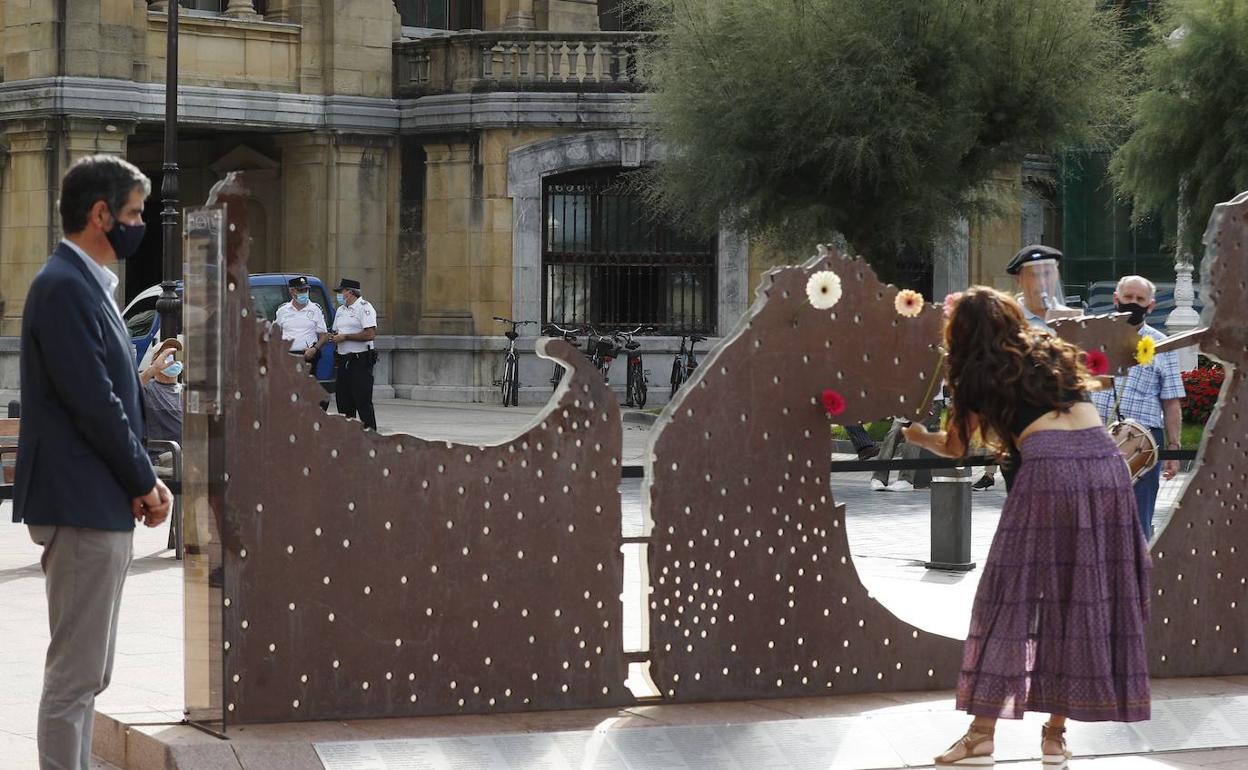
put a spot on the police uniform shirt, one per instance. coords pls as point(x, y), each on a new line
point(353, 319)
point(301, 325)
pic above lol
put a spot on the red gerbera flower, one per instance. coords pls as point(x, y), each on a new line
point(1098, 363)
point(833, 402)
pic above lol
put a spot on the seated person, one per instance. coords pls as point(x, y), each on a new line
point(162, 397)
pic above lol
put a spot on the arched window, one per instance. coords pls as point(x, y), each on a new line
point(607, 262)
point(440, 14)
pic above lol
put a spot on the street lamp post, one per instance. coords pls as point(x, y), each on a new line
point(169, 306)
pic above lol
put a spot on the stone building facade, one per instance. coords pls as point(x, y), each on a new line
point(437, 150)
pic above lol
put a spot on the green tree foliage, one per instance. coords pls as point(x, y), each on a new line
point(1190, 118)
point(882, 120)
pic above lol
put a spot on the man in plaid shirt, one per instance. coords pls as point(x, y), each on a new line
point(1151, 395)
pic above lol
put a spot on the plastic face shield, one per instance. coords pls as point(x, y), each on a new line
point(1040, 283)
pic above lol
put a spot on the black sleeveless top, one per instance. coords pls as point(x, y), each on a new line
point(1027, 412)
point(1025, 415)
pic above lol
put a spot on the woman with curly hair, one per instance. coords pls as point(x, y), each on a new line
point(1058, 620)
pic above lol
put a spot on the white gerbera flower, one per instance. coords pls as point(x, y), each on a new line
point(908, 303)
point(823, 289)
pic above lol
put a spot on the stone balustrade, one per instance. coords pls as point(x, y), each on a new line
point(518, 61)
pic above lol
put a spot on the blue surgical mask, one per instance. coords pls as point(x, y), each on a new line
point(302, 298)
point(172, 370)
point(341, 300)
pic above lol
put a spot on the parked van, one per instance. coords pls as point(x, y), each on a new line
point(268, 292)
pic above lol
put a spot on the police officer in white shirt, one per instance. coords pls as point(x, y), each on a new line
point(302, 322)
point(355, 328)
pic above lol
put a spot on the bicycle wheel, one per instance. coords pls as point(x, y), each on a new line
point(678, 375)
point(556, 377)
point(637, 386)
point(509, 381)
point(515, 382)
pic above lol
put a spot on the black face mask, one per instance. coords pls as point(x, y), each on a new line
point(1137, 312)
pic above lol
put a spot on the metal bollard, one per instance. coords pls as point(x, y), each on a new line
point(15, 409)
point(951, 521)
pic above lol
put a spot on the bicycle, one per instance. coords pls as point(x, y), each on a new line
point(569, 336)
point(635, 382)
point(683, 369)
point(510, 382)
point(605, 348)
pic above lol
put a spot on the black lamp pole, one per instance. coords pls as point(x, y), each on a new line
point(169, 306)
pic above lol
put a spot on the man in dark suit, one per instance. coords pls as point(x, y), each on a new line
point(83, 477)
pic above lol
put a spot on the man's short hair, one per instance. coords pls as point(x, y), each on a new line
point(1126, 279)
point(95, 178)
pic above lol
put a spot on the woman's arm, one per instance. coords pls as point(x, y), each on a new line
point(948, 443)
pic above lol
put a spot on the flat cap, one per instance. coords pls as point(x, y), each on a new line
point(347, 283)
point(298, 282)
point(1033, 253)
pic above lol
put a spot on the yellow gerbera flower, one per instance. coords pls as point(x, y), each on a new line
point(1145, 349)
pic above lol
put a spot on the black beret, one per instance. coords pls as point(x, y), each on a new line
point(1033, 253)
point(347, 283)
point(299, 282)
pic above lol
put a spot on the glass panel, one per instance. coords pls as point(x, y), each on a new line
point(203, 271)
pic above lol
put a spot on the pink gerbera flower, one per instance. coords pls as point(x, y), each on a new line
point(950, 301)
point(833, 402)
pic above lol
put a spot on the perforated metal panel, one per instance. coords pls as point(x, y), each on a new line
point(375, 576)
point(1200, 562)
point(754, 590)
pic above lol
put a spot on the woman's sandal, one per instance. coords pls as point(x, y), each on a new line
point(1057, 735)
point(963, 752)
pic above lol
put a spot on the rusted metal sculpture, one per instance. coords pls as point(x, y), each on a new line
point(380, 576)
point(1199, 621)
point(374, 576)
point(754, 592)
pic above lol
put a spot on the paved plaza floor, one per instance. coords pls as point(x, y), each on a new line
point(888, 534)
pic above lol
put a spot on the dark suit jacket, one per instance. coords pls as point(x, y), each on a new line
point(80, 456)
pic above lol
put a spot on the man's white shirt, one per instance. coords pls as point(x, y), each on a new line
point(301, 325)
point(353, 319)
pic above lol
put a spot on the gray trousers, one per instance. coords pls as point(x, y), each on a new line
point(84, 571)
point(895, 446)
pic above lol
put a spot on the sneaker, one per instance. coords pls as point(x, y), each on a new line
point(984, 482)
point(869, 452)
point(877, 485)
point(900, 485)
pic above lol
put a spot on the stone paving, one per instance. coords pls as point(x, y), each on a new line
point(888, 533)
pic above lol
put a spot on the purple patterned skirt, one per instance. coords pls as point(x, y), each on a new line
point(1059, 616)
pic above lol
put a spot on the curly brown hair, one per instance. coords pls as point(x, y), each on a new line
point(997, 361)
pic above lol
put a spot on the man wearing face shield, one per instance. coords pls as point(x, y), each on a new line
point(1038, 281)
point(1151, 394)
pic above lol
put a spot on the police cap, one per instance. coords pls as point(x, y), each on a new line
point(298, 282)
point(347, 283)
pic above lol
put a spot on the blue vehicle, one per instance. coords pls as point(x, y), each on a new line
point(268, 293)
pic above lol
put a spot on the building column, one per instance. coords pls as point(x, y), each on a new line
point(39, 153)
point(520, 15)
point(446, 302)
point(338, 201)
